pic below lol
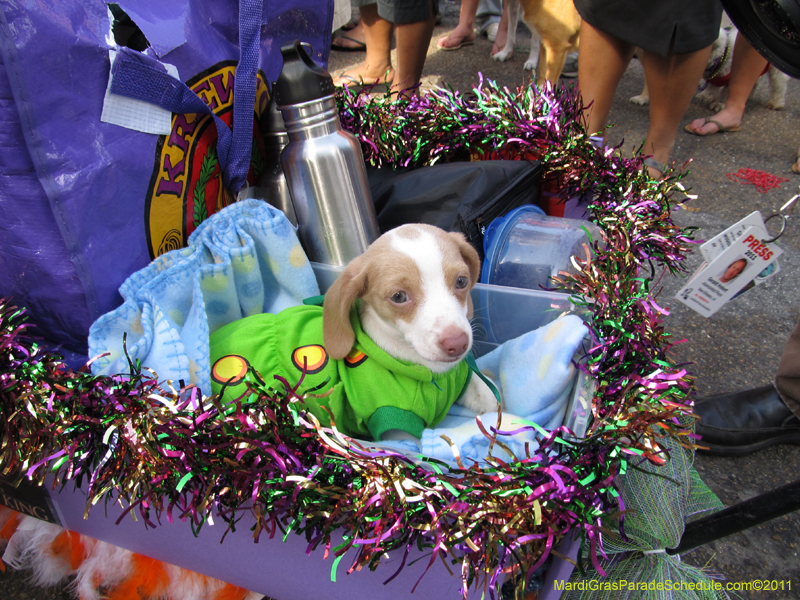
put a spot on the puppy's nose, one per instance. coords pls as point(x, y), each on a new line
point(454, 342)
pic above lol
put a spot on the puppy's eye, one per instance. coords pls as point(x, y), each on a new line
point(461, 282)
point(399, 297)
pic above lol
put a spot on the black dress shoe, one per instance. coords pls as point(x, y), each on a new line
point(744, 422)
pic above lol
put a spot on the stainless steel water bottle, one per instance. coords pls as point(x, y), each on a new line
point(323, 164)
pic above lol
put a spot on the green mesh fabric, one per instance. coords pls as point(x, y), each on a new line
point(637, 576)
point(658, 503)
point(702, 500)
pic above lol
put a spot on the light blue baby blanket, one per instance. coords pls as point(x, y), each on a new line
point(245, 259)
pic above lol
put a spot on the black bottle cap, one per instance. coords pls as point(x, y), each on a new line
point(301, 79)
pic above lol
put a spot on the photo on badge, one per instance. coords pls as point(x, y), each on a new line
point(723, 278)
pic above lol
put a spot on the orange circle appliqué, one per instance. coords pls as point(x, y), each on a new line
point(311, 359)
point(230, 369)
point(355, 358)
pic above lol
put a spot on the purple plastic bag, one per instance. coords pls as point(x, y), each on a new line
point(83, 204)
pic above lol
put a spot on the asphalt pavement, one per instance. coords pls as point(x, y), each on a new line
point(736, 349)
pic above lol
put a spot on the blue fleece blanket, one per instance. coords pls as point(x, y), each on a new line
point(245, 259)
point(535, 375)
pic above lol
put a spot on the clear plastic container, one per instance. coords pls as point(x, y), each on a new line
point(526, 248)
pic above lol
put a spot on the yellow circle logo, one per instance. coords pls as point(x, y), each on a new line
point(355, 358)
point(310, 359)
point(230, 370)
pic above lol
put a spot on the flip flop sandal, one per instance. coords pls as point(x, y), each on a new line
point(794, 165)
point(654, 164)
point(461, 44)
point(361, 47)
point(721, 128)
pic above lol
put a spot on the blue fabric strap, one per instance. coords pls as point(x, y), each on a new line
point(139, 76)
point(244, 90)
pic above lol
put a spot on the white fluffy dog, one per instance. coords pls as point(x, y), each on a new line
point(714, 85)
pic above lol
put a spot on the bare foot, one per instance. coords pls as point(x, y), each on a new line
point(456, 39)
point(724, 120)
point(365, 74)
point(401, 91)
point(351, 24)
point(350, 40)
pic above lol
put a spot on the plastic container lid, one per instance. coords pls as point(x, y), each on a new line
point(498, 230)
point(525, 248)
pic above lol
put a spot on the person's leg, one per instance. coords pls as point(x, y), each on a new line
point(746, 67)
point(488, 14)
point(464, 32)
point(377, 65)
point(672, 82)
point(604, 59)
point(412, 40)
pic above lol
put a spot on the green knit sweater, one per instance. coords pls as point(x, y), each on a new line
point(369, 392)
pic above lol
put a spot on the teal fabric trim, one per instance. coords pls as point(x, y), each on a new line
point(314, 300)
point(387, 418)
point(473, 366)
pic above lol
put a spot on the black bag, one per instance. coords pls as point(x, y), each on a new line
point(459, 196)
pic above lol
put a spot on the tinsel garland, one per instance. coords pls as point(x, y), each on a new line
point(174, 454)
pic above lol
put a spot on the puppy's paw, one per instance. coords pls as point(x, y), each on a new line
point(503, 55)
point(777, 89)
point(711, 96)
point(716, 106)
point(704, 97)
point(641, 99)
point(530, 65)
point(776, 103)
point(478, 397)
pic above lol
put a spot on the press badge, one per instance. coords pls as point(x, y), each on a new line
point(733, 262)
point(716, 245)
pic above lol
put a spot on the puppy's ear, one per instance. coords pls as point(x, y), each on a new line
point(336, 328)
point(470, 256)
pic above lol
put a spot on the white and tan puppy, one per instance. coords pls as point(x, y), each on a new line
point(414, 284)
point(555, 23)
